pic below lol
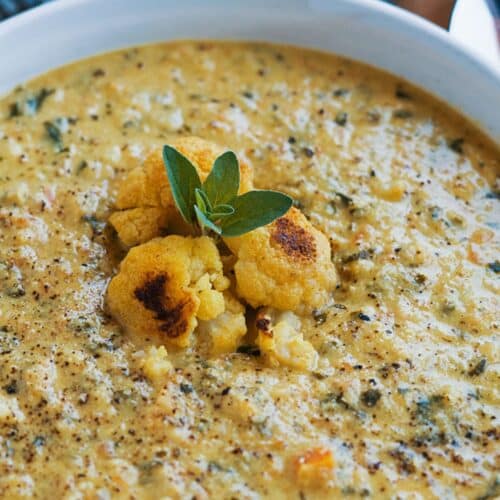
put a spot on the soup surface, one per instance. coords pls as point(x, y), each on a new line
point(404, 402)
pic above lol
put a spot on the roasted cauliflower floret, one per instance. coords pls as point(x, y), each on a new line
point(146, 188)
point(281, 342)
point(286, 265)
point(138, 224)
point(227, 329)
point(164, 286)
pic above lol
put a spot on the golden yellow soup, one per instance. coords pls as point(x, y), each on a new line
point(404, 402)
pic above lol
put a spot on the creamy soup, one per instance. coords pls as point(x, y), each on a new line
point(403, 401)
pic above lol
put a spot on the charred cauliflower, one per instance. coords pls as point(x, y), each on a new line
point(145, 193)
point(165, 286)
point(281, 342)
point(286, 265)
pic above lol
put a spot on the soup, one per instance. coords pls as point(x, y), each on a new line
point(402, 400)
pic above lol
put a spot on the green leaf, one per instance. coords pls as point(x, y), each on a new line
point(201, 200)
point(184, 180)
point(223, 181)
point(221, 212)
point(204, 221)
point(255, 209)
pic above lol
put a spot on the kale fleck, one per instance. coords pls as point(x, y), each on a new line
point(425, 408)
point(54, 133)
point(31, 105)
point(340, 92)
point(456, 145)
point(435, 212)
point(346, 200)
point(478, 368)
point(186, 388)
point(39, 441)
point(35, 103)
point(402, 114)
point(402, 94)
point(494, 266)
point(14, 110)
point(370, 397)
point(365, 254)
point(96, 225)
point(493, 195)
point(11, 387)
point(341, 118)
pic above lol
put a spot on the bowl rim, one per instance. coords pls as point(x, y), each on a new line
point(401, 15)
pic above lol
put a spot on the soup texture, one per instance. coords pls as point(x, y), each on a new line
point(388, 389)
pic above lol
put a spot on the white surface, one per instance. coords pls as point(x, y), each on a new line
point(368, 30)
point(473, 24)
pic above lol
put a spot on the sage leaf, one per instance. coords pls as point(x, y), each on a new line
point(200, 197)
point(223, 181)
point(255, 209)
point(204, 221)
point(205, 199)
point(184, 180)
point(221, 211)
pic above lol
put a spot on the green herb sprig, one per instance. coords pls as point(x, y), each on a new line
point(215, 204)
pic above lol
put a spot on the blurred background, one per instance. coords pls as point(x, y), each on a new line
point(475, 22)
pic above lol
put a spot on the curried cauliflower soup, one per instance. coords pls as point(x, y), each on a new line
point(348, 349)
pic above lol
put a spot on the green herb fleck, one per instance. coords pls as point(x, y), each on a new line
point(456, 145)
point(340, 92)
point(96, 225)
point(14, 110)
point(341, 118)
point(401, 93)
point(54, 133)
point(478, 368)
point(402, 114)
point(39, 441)
point(35, 103)
point(365, 254)
point(370, 397)
point(493, 195)
point(494, 266)
point(346, 200)
point(186, 388)
point(31, 105)
point(425, 408)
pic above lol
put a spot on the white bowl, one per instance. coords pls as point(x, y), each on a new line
point(373, 32)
